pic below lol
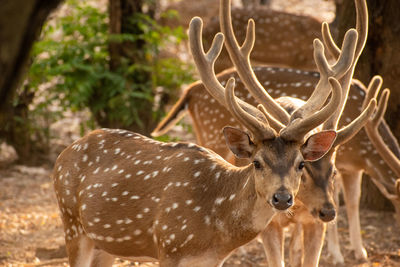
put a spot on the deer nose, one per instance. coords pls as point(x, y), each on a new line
point(327, 213)
point(282, 200)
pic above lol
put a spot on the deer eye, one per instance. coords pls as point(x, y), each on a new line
point(257, 164)
point(301, 165)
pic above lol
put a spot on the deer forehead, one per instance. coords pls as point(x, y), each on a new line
point(278, 154)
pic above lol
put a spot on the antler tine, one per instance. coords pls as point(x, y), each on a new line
point(362, 30)
point(205, 66)
point(298, 128)
point(260, 129)
point(330, 44)
point(374, 87)
point(376, 139)
point(240, 57)
point(346, 133)
point(361, 26)
point(205, 62)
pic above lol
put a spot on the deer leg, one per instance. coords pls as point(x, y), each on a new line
point(272, 238)
point(296, 246)
point(80, 251)
point(102, 259)
point(352, 192)
point(332, 233)
point(314, 234)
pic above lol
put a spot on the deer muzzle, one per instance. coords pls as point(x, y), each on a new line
point(327, 213)
point(282, 199)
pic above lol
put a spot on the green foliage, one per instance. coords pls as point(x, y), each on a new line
point(73, 56)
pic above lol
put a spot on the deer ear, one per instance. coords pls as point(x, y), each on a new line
point(238, 142)
point(317, 145)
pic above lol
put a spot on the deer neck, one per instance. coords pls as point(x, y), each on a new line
point(241, 212)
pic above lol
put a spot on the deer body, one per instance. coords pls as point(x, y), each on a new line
point(130, 196)
point(110, 192)
point(283, 39)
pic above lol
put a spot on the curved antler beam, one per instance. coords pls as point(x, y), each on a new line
point(348, 132)
point(240, 57)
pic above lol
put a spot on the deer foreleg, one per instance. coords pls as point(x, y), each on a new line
point(102, 259)
point(80, 251)
point(314, 234)
point(296, 246)
point(332, 233)
point(272, 238)
point(352, 193)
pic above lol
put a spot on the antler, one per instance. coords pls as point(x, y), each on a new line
point(376, 139)
point(260, 129)
point(241, 59)
point(345, 81)
point(247, 115)
point(240, 55)
point(373, 133)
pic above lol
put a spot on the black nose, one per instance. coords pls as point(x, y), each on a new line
point(327, 213)
point(282, 200)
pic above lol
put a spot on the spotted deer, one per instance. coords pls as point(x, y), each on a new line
point(208, 118)
point(283, 38)
point(180, 204)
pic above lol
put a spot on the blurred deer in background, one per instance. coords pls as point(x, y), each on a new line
point(283, 38)
point(209, 118)
point(130, 196)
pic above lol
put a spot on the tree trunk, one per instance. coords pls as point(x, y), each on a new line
point(20, 25)
point(381, 56)
point(121, 12)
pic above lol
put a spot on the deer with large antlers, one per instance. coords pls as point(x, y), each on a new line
point(130, 196)
point(209, 117)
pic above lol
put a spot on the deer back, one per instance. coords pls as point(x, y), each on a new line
point(283, 39)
